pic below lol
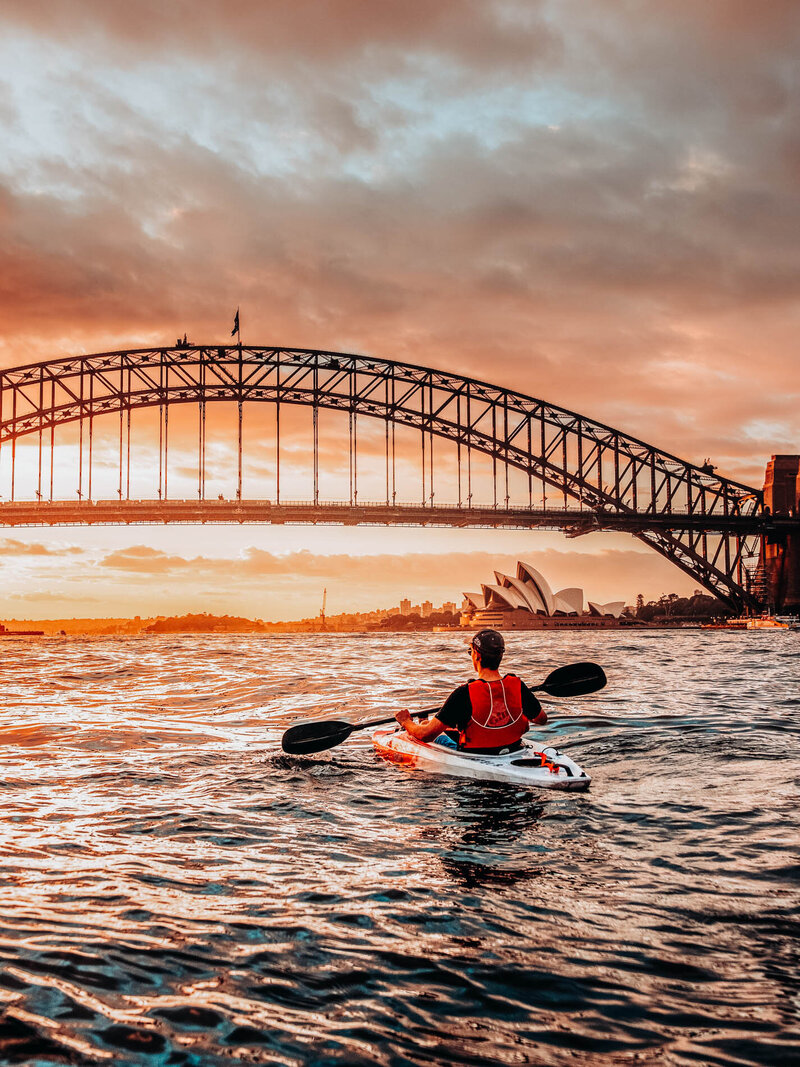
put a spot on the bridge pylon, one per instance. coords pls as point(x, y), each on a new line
point(781, 549)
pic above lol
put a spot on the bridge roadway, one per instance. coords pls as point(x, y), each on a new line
point(235, 512)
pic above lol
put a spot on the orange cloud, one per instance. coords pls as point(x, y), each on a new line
point(10, 547)
point(363, 582)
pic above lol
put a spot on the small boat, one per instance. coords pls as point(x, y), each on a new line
point(767, 622)
point(532, 765)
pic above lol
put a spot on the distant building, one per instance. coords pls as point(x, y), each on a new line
point(526, 602)
point(405, 607)
point(449, 606)
point(426, 609)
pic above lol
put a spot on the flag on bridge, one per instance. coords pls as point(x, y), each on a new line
point(235, 330)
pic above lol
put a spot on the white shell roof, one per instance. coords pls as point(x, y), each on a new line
point(478, 600)
point(533, 601)
point(509, 597)
point(529, 574)
point(615, 608)
point(569, 600)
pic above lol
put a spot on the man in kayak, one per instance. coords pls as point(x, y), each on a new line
point(489, 715)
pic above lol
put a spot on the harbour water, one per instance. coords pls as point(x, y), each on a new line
point(174, 890)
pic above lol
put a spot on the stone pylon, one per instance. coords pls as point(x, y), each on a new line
point(781, 553)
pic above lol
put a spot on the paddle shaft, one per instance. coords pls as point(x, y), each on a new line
point(429, 711)
point(384, 722)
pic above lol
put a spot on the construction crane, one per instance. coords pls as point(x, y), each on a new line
point(322, 609)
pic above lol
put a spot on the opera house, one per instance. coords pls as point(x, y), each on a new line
point(526, 602)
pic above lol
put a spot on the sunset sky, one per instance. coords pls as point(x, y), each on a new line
point(594, 203)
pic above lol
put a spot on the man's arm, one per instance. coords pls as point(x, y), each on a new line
point(533, 710)
point(420, 731)
point(453, 715)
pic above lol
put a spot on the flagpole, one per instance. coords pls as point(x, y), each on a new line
point(236, 331)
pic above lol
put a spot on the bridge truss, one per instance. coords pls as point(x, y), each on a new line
point(600, 478)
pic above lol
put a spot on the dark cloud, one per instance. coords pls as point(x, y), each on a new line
point(372, 268)
point(305, 30)
point(595, 204)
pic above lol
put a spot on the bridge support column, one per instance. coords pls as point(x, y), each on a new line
point(781, 554)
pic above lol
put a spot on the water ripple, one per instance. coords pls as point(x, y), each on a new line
point(176, 890)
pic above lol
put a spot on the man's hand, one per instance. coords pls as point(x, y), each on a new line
point(403, 716)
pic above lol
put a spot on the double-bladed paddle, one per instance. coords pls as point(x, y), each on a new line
point(574, 680)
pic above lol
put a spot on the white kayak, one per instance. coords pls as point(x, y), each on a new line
point(534, 765)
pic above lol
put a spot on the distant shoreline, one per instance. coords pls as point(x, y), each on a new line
point(109, 627)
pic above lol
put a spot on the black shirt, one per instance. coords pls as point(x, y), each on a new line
point(457, 709)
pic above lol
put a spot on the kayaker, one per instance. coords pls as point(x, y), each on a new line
point(487, 715)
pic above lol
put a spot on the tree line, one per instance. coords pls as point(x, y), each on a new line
point(671, 606)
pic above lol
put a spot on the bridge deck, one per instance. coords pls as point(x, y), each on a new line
point(239, 512)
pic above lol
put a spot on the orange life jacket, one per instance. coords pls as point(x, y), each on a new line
point(497, 716)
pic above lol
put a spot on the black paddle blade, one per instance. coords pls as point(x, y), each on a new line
point(574, 680)
point(310, 737)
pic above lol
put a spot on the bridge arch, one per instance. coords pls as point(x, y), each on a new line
point(705, 524)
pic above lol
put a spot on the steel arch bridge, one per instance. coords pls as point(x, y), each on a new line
point(711, 527)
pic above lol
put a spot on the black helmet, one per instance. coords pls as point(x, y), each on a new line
point(488, 642)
